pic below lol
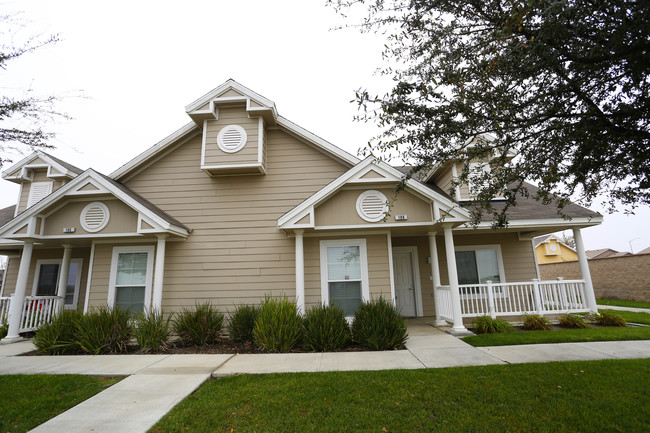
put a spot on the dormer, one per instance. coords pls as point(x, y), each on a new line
point(233, 120)
point(39, 174)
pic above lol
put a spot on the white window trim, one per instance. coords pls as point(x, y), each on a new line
point(497, 247)
point(77, 282)
point(149, 249)
point(363, 252)
point(30, 198)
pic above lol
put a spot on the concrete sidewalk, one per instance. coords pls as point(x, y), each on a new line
point(156, 383)
point(614, 307)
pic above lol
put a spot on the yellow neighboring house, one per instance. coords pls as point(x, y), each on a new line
point(550, 249)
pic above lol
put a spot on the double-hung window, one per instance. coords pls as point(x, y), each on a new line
point(478, 264)
point(344, 273)
point(131, 278)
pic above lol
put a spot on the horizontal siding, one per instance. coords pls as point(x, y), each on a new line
point(232, 116)
point(235, 253)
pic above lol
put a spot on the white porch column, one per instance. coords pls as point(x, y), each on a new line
point(156, 305)
point(300, 272)
point(17, 301)
point(63, 276)
point(435, 276)
point(453, 281)
point(584, 271)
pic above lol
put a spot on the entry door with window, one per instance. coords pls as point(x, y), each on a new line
point(404, 282)
point(131, 276)
point(46, 280)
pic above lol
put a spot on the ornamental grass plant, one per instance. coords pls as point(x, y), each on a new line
point(326, 329)
point(104, 331)
point(573, 321)
point(609, 318)
point(242, 323)
point(488, 325)
point(59, 336)
point(378, 325)
point(536, 322)
point(200, 325)
point(152, 331)
point(279, 326)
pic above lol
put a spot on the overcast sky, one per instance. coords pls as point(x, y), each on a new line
point(138, 63)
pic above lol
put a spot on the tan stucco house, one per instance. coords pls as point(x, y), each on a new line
point(240, 203)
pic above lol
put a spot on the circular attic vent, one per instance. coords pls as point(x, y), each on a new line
point(372, 206)
point(231, 138)
point(94, 217)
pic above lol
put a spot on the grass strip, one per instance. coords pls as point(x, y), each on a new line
point(631, 316)
point(559, 336)
point(27, 401)
point(623, 303)
point(606, 395)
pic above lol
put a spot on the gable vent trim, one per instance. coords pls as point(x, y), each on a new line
point(94, 217)
point(231, 138)
point(372, 206)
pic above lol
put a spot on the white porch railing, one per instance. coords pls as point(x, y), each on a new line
point(514, 299)
point(4, 310)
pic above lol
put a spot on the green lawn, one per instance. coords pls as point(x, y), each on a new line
point(27, 401)
point(632, 316)
point(621, 303)
point(554, 397)
point(559, 336)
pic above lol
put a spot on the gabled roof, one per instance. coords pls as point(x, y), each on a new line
point(62, 168)
point(605, 253)
point(547, 238)
point(196, 110)
point(102, 184)
point(390, 175)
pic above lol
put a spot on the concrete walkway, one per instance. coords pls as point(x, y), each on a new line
point(156, 383)
point(614, 307)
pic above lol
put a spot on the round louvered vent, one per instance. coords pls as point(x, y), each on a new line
point(372, 206)
point(231, 138)
point(94, 217)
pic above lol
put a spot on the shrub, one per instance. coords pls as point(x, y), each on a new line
point(378, 325)
point(151, 331)
point(609, 318)
point(573, 321)
point(279, 326)
point(3, 331)
point(535, 322)
point(104, 331)
point(488, 325)
point(242, 323)
point(199, 326)
point(326, 329)
point(59, 336)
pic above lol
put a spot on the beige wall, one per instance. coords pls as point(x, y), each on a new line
point(50, 253)
point(235, 254)
point(228, 116)
point(122, 219)
point(614, 277)
point(341, 209)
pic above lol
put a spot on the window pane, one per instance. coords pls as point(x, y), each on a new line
point(347, 295)
point(47, 279)
point(343, 263)
point(488, 267)
point(131, 269)
point(130, 298)
point(72, 279)
point(466, 267)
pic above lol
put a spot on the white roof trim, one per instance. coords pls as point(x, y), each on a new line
point(228, 85)
point(540, 223)
point(24, 163)
point(82, 179)
point(355, 172)
point(153, 150)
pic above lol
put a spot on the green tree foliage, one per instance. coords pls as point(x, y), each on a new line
point(23, 115)
point(561, 84)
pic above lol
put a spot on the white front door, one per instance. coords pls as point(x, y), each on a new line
point(404, 282)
